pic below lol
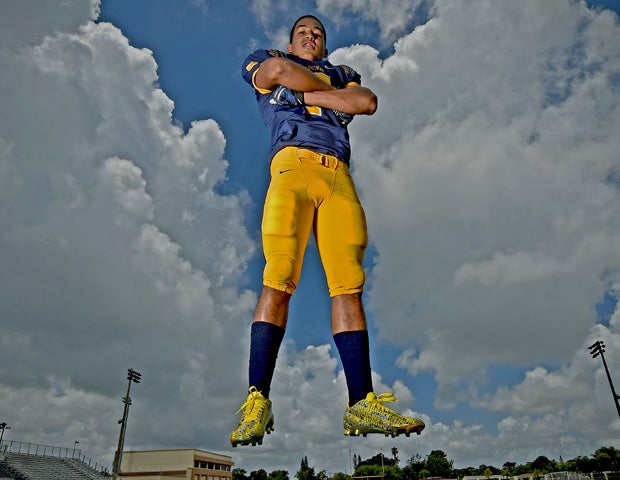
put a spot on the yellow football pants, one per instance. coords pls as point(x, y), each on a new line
point(309, 190)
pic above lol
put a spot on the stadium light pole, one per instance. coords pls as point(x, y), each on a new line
point(134, 377)
point(598, 349)
point(3, 426)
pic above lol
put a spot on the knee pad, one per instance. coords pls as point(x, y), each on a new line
point(279, 272)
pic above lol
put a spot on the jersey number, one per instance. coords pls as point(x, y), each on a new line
point(312, 109)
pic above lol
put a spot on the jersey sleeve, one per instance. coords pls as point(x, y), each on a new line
point(349, 76)
point(253, 61)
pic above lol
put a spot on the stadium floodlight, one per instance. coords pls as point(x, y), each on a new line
point(133, 377)
point(3, 427)
point(597, 349)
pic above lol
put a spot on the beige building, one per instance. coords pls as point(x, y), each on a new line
point(189, 464)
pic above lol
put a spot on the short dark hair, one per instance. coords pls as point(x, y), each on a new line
point(307, 16)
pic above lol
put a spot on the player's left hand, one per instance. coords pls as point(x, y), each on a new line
point(286, 96)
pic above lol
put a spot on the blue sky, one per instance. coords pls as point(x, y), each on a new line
point(132, 159)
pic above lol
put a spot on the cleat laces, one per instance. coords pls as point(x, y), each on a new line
point(252, 408)
point(376, 403)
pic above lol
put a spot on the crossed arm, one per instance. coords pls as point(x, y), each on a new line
point(354, 100)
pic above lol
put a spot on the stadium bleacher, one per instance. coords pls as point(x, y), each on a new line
point(23, 466)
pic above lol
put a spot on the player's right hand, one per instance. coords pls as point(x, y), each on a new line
point(343, 118)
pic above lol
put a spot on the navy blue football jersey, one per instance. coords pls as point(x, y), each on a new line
point(304, 126)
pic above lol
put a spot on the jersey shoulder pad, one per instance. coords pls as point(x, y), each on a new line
point(350, 75)
point(253, 61)
point(276, 53)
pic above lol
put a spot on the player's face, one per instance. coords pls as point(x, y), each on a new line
point(308, 40)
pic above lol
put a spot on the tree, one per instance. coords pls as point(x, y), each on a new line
point(278, 475)
point(368, 470)
point(461, 472)
point(414, 465)
point(239, 474)
point(340, 476)
point(305, 472)
point(491, 468)
point(584, 464)
point(395, 455)
point(259, 474)
point(438, 464)
point(542, 464)
point(608, 459)
point(508, 469)
point(378, 459)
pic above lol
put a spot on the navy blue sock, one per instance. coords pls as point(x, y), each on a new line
point(265, 340)
point(354, 350)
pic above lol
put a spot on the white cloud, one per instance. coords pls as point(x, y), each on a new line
point(392, 17)
point(562, 404)
point(488, 180)
point(510, 268)
point(102, 270)
point(487, 176)
point(499, 147)
point(275, 16)
point(30, 22)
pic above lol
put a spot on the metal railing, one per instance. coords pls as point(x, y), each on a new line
point(27, 448)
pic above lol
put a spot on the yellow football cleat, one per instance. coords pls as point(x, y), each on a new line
point(256, 419)
point(371, 416)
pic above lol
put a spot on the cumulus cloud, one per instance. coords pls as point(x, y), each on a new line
point(505, 220)
point(271, 14)
point(117, 249)
point(30, 22)
point(490, 181)
point(494, 151)
point(393, 17)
